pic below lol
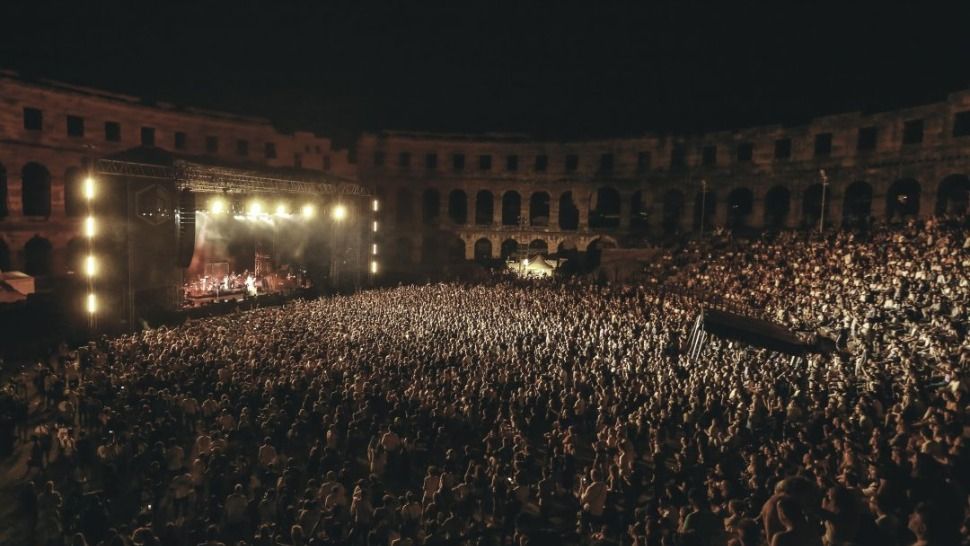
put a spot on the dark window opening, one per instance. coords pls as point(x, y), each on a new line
point(606, 163)
point(147, 136)
point(181, 141)
point(512, 163)
point(783, 148)
point(542, 163)
point(404, 160)
point(913, 132)
point(431, 161)
point(33, 119)
point(484, 162)
point(745, 151)
point(867, 139)
point(572, 163)
point(270, 150)
point(112, 131)
point(823, 144)
point(75, 126)
point(961, 124)
point(458, 162)
point(643, 162)
point(709, 157)
point(678, 157)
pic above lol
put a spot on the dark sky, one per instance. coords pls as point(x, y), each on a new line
point(558, 69)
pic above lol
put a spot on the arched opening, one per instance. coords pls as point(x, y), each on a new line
point(740, 205)
point(539, 209)
point(857, 204)
point(405, 208)
point(483, 250)
point(36, 192)
point(511, 208)
point(953, 196)
point(706, 200)
point(73, 192)
point(639, 219)
point(538, 246)
point(510, 247)
point(594, 250)
point(430, 206)
point(454, 249)
point(604, 208)
point(902, 200)
point(673, 211)
point(777, 207)
point(75, 255)
point(568, 213)
point(3, 192)
point(566, 247)
point(37, 256)
point(402, 252)
point(5, 262)
point(484, 208)
point(812, 205)
point(458, 207)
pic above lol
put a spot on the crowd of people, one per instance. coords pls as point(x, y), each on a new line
point(525, 412)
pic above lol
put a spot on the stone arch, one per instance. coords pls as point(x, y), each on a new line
point(777, 207)
point(510, 247)
point(38, 256)
point(812, 204)
point(484, 208)
point(568, 213)
point(405, 208)
point(6, 263)
point(511, 208)
point(639, 218)
point(604, 208)
point(903, 199)
point(953, 195)
point(458, 207)
point(707, 200)
point(673, 210)
point(857, 204)
point(740, 205)
point(73, 192)
point(539, 209)
point(430, 206)
point(3, 193)
point(483, 250)
point(538, 246)
point(36, 190)
point(566, 245)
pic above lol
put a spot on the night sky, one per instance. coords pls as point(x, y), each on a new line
point(585, 70)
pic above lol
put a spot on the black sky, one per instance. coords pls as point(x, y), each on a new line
point(551, 69)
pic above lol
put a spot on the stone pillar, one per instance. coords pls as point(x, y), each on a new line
point(654, 210)
point(581, 200)
point(525, 200)
point(554, 212)
point(15, 192)
point(496, 209)
point(626, 206)
point(758, 212)
point(496, 247)
point(469, 209)
point(470, 248)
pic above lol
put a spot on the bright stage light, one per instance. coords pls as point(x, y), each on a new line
point(373, 249)
point(89, 188)
point(255, 208)
point(375, 226)
point(373, 267)
point(282, 209)
point(90, 266)
point(308, 211)
point(375, 205)
point(339, 212)
point(92, 303)
point(89, 226)
point(217, 206)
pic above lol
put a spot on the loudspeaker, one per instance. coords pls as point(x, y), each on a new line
point(186, 229)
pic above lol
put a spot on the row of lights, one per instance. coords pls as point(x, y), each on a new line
point(90, 261)
point(255, 208)
point(375, 208)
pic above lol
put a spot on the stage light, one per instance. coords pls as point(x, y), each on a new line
point(92, 303)
point(282, 209)
point(255, 208)
point(339, 212)
point(89, 188)
point(373, 267)
point(373, 249)
point(375, 226)
point(217, 206)
point(375, 205)
point(308, 211)
point(89, 226)
point(90, 266)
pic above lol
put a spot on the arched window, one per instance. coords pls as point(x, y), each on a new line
point(539, 209)
point(483, 250)
point(538, 246)
point(73, 194)
point(568, 213)
point(484, 208)
point(604, 210)
point(37, 256)
point(777, 207)
point(36, 193)
point(511, 208)
point(510, 247)
point(458, 207)
point(740, 205)
point(430, 206)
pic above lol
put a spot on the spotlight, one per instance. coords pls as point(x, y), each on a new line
point(255, 208)
point(217, 206)
point(308, 211)
point(89, 226)
point(90, 266)
point(89, 188)
point(375, 226)
point(373, 249)
point(92, 303)
point(373, 267)
point(339, 212)
point(375, 205)
point(282, 210)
